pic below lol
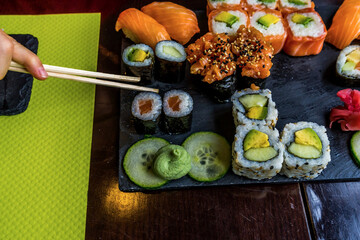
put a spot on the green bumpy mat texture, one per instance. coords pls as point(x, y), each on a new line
point(45, 151)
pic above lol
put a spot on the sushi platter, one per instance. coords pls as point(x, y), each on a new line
point(303, 88)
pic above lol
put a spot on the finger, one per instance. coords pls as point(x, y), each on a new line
point(29, 60)
point(6, 50)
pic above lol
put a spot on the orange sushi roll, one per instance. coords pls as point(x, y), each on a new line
point(255, 5)
point(289, 6)
point(141, 28)
point(272, 25)
point(306, 33)
point(213, 4)
point(345, 26)
point(181, 23)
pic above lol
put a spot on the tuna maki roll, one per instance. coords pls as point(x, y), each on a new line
point(170, 61)
point(146, 109)
point(177, 107)
point(139, 60)
point(254, 107)
point(257, 152)
point(307, 150)
point(348, 66)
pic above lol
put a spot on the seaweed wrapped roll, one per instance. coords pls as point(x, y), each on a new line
point(139, 60)
point(177, 107)
point(146, 109)
point(307, 150)
point(348, 65)
point(170, 61)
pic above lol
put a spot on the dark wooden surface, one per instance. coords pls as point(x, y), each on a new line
point(289, 211)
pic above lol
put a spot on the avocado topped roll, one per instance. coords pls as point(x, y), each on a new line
point(288, 6)
point(170, 61)
point(307, 150)
point(254, 107)
point(253, 5)
point(257, 152)
point(139, 60)
point(348, 65)
point(227, 21)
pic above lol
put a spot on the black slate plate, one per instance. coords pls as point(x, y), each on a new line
point(303, 89)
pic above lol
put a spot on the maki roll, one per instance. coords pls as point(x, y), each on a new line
point(177, 107)
point(146, 109)
point(170, 61)
point(254, 107)
point(288, 6)
point(227, 20)
point(223, 4)
point(139, 60)
point(307, 150)
point(348, 66)
point(257, 152)
point(254, 5)
point(271, 24)
point(306, 33)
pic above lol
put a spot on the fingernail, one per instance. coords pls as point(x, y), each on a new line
point(42, 72)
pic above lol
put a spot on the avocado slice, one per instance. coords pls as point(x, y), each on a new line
point(137, 55)
point(260, 154)
point(309, 137)
point(348, 66)
point(267, 1)
point(301, 19)
point(298, 2)
point(255, 139)
point(252, 100)
point(267, 20)
point(227, 18)
point(304, 151)
point(354, 56)
point(171, 51)
point(257, 112)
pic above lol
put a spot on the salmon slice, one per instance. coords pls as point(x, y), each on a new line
point(141, 28)
point(181, 23)
point(345, 26)
point(145, 106)
point(174, 103)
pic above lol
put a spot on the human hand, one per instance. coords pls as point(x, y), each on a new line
point(11, 50)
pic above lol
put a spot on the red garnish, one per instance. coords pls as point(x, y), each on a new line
point(348, 115)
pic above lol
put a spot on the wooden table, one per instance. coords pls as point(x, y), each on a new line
point(287, 211)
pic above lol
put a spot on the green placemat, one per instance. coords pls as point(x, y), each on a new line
point(45, 151)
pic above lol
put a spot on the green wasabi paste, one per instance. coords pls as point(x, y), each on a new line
point(172, 162)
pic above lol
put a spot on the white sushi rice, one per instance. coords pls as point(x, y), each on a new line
point(257, 2)
point(341, 60)
point(220, 27)
point(239, 110)
point(296, 167)
point(253, 169)
point(160, 52)
point(156, 106)
point(186, 104)
point(273, 29)
point(144, 47)
point(287, 4)
point(216, 4)
point(313, 29)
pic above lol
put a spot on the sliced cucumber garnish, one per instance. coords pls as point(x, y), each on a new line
point(355, 147)
point(210, 156)
point(138, 162)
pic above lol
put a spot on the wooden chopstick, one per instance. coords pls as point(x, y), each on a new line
point(90, 80)
point(84, 73)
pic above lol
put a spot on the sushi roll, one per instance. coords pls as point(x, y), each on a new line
point(227, 20)
point(254, 5)
point(306, 33)
point(257, 152)
point(170, 62)
point(289, 6)
point(223, 4)
point(271, 24)
point(348, 66)
point(177, 108)
point(307, 150)
point(139, 60)
point(254, 107)
point(146, 109)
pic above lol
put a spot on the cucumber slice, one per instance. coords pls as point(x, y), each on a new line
point(210, 156)
point(304, 151)
point(355, 147)
point(138, 162)
point(260, 154)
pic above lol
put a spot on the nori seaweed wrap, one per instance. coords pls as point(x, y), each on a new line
point(15, 88)
point(348, 66)
point(170, 61)
point(139, 60)
point(221, 91)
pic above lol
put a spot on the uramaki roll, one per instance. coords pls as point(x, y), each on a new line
point(289, 6)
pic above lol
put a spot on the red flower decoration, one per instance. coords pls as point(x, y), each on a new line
point(348, 115)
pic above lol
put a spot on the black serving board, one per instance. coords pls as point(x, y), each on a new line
point(303, 89)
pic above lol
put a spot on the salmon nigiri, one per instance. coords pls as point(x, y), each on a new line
point(141, 28)
point(345, 26)
point(181, 23)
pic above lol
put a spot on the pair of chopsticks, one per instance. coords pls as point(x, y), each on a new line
point(88, 77)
